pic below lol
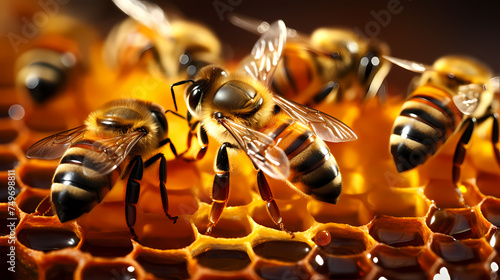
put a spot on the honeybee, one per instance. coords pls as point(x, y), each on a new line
point(58, 55)
point(451, 96)
point(331, 65)
point(171, 47)
point(283, 139)
point(94, 156)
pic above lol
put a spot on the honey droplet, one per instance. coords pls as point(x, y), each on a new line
point(322, 238)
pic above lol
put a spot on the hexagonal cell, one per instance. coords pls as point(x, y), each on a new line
point(47, 239)
point(398, 202)
point(294, 214)
point(399, 232)
point(282, 250)
point(348, 210)
point(460, 252)
point(402, 263)
point(159, 232)
point(29, 199)
point(493, 239)
point(459, 223)
point(8, 135)
point(460, 272)
point(273, 271)
point(6, 190)
point(100, 245)
point(105, 271)
point(37, 175)
point(224, 260)
point(8, 161)
point(340, 267)
point(490, 209)
point(346, 241)
point(163, 266)
point(62, 270)
point(234, 223)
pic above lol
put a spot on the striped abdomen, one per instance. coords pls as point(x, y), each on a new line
point(313, 168)
point(295, 74)
point(72, 192)
point(425, 122)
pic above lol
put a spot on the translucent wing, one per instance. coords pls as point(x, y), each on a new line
point(467, 98)
point(148, 14)
point(258, 27)
point(261, 149)
point(409, 65)
point(111, 153)
point(266, 53)
point(325, 126)
point(55, 146)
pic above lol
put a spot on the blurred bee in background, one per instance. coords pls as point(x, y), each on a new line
point(94, 157)
point(451, 96)
point(49, 72)
point(150, 39)
point(283, 139)
point(331, 65)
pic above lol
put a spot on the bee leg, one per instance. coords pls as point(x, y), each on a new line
point(330, 89)
point(197, 132)
point(132, 193)
point(220, 191)
point(44, 206)
point(272, 207)
point(459, 156)
point(169, 142)
point(163, 181)
point(494, 136)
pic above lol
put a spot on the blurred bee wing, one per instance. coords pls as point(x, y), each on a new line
point(258, 27)
point(261, 149)
point(467, 98)
point(148, 14)
point(325, 126)
point(111, 153)
point(409, 65)
point(266, 53)
point(55, 146)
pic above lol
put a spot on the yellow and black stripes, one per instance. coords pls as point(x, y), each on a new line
point(313, 168)
point(74, 193)
point(424, 124)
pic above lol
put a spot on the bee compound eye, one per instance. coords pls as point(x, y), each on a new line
point(195, 94)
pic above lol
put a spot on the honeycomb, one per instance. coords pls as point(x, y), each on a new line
point(386, 225)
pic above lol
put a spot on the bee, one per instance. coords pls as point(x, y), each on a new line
point(111, 143)
point(331, 65)
point(283, 139)
point(57, 56)
point(148, 37)
point(450, 97)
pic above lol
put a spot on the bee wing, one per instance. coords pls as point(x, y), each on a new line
point(325, 126)
point(148, 14)
point(111, 153)
point(266, 53)
point(55, 146)
point(261, 149)
point(468, 97)
point(258, 27)
point(409, 65)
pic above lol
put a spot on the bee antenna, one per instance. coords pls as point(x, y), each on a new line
point(178, 84)
point(175, 113)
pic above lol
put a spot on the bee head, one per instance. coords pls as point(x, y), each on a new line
point(206, 78)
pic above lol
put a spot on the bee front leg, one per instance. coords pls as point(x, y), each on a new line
point(330, 90)
point(163, 181)
point(220, 189)
point(459, 156)
point(197, 133)
point(272, 207)
point(132, 193)
point(494, 136)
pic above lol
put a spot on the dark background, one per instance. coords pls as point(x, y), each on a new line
point(421, 31)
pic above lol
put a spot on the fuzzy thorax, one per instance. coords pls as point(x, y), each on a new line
point(256, 121)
